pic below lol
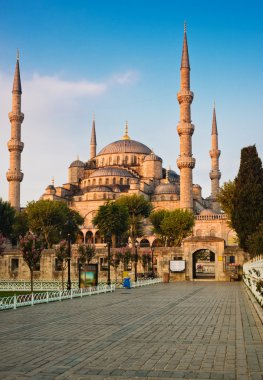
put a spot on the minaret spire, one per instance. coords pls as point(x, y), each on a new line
point(93, 141)
point(215, 174)
point(185, 130)
point(15, 146)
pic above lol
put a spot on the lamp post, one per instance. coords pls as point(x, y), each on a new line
point(136, 260)
point(68, 259)
point(108, 245)
point(152, 249)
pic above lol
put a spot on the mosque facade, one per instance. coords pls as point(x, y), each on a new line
point(126, 167)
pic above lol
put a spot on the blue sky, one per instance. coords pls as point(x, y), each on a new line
point(121, 60)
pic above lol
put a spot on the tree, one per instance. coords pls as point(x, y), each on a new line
point(156, 219)
point(255, 242)
point(7, 218)
point(176, 226)
point(248, 196)
point(86, 253)
point(2, 244)
point(20, 226)
point(62, 254)
point(31, 248)
point(146, 259)
point(115, 263)
point(54, 220)
point(138, 209)
point(112, 221)
point(226, 198)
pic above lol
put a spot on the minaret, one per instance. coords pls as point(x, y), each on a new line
point(185, 129)
point(93, 141)
point(15, 146)
point(215, 174)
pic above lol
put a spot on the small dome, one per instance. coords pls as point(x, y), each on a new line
point(167, 188)
point(77, 164)
point(152, 157)
point(173, 176)
point(50, 187)
point(100, 189)
point(207, 212)
point(111, 171)
point(125, 146)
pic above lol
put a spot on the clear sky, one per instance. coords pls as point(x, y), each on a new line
point(121, 60)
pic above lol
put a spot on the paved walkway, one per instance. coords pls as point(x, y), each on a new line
point(195, 330)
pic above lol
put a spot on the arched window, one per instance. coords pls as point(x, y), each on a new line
point(114, 181)
point(100, 181)
point(94, 196)
point(212, 232)
point(121, 181)
point(118, 160)
point(126, 160)
point(128, 181)
point(110, 160)
point(135, 160)
point(94, 182)
point(107, 181)
point(89, 182)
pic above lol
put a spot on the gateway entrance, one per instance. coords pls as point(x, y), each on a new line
point(204, 264)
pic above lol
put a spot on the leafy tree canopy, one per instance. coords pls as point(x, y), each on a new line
point(7, 218)
point(248, 196)
point(226, 197)
point(177, 225)
point(156, 219)
point(112, 221)
point(53, 220)
point(138, 208)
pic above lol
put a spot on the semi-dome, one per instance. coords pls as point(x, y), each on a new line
point(111, 171)
point(77, 164)
point(167, 188)
point(125, 146)
point(152, 157)
point(100, 189)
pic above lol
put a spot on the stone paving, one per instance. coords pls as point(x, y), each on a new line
point(200, 330)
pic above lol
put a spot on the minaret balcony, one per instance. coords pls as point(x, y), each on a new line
point(185, 162)
point(215, 174)
point(14, 175)
point(185, 96)
point(184, 128)
point(15, 145)
point(214, 153)
point(18, 117)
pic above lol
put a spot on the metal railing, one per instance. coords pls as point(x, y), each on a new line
point(13, 302)
point(253, 277)
point(150, 281)
point(23, 285)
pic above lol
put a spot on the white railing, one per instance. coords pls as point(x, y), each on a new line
point(253, 277)
point(151, 281)
point(21, 285)
point(32, 299)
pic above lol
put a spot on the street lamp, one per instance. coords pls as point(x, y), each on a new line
point(136, 260)
point(108, 245)
point(68, 259)
point(152, 249)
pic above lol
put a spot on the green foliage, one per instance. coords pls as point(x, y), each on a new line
point(7, 218)
point(138, 209)
point(31, 248)
point(226, 197)
point(20, 226)
point(2, 244)
point(177, 225)
point(156, 219)
point(146, 259)
point(86, 253)
point(248, 196)
point(112, 221)
point(255, 242)
point(53, 220)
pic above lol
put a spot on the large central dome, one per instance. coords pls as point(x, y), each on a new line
point(125, 146)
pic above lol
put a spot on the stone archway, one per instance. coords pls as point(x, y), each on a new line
point(204, 264)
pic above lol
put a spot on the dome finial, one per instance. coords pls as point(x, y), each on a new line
point(167, 176)
point(52, 181)
point(126, 136)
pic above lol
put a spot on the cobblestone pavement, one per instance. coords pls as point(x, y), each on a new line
point(200, 330)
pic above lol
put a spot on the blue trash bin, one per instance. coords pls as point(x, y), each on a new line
point(127, 282)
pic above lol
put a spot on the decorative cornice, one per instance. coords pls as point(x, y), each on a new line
point(15, 145)
point(16, 117)
point(184, 128)
point(14, 175)
point(185, 96)
point(215, 174)
point(214, 153)
point(186, 162)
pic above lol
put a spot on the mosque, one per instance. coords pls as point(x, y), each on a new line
point(126, 167)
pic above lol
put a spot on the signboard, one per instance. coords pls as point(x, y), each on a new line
point(88, 275)
point(177, 265)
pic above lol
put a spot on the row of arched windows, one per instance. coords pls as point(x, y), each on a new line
point(118, 160)
point(107, 181)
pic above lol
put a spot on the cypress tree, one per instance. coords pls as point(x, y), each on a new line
point(248, 196)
